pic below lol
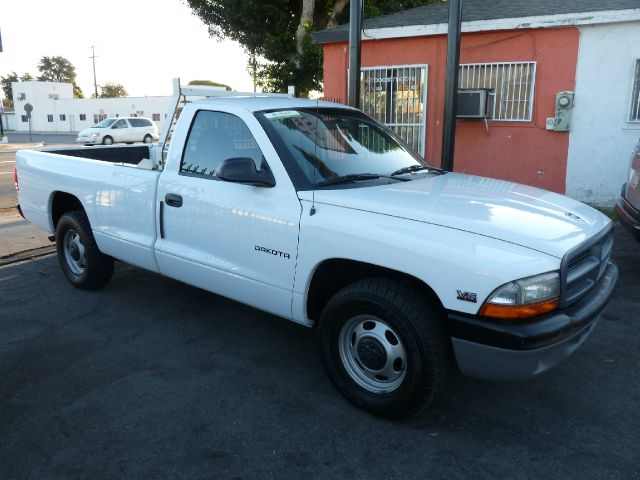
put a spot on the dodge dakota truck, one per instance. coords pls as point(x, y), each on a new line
point(316, 213)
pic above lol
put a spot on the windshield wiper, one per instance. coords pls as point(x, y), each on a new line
point(356, 177)
point(411, 169)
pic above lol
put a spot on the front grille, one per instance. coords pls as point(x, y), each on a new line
point(583, 266)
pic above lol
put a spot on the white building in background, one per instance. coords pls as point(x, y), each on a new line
point(55, 109)
point(8, 120)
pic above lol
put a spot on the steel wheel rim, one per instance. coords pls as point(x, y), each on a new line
point(74, 252)
point(372, 354)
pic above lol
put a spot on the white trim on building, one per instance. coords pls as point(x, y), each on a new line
point(542, 21)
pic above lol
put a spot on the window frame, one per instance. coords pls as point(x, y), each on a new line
point(634, 95)
point(207, 176)
point(492, 92)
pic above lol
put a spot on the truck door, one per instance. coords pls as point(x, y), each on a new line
point(233, 239)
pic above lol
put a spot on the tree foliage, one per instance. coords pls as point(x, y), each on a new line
point(59, 69)
point(112, 90)
point(278, 33)
point(5, 84)
point(209, 83)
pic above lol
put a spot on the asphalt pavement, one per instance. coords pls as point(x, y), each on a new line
point(150, 378)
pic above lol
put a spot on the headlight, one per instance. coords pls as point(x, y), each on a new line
point(94, 135)
point(524, 298)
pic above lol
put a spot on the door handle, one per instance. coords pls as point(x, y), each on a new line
point(173, 200)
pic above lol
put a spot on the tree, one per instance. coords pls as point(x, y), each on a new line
point(5, 83)
point(278, 32)
point(111, 90)
point(59, 69)
point(209, 83)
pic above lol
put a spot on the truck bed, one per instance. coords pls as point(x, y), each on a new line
point(129, 154)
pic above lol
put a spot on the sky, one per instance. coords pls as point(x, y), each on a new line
point(141, 44)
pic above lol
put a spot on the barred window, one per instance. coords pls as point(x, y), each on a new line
point(511, 86)
point(634, 111)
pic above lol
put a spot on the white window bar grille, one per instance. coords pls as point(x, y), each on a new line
point(511, 86)
point(634, 111)
point(397, 96)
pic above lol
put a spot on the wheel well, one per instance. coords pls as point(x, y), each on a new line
point(332, 275)
point(62, 203)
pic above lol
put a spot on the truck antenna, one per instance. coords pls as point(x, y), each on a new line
point(312, 212)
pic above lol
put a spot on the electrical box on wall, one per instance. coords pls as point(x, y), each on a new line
point(564, 108)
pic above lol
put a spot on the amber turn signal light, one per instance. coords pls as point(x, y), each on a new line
point(515, 312)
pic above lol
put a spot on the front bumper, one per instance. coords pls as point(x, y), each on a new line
point(89, 140)
point(629, 216)
point(508, 352)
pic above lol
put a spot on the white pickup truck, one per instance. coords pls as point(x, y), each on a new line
point(314, 212)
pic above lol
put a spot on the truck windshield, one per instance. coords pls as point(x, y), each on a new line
point(104, 123)
point(329, 144)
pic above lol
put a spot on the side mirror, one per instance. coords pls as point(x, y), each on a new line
point(243, 170)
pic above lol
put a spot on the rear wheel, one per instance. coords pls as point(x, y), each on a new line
point(384, 347)
point(147, 139)
point(107, 140)
point(84, 265)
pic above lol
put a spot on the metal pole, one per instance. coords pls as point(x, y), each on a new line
point(451, 84)
point(30, 139)
point(355, 28)
point(93, 57)
point(253, 68)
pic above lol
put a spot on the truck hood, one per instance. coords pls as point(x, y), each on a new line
point(519, 214)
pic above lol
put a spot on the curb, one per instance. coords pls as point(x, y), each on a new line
point(26, 255)
point(17, 148)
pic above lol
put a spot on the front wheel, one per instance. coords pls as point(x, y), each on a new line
point(84, 265)
point(384, 347)
point(107, 140)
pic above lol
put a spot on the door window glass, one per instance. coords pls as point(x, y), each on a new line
point(120, 124)
point(215, 137)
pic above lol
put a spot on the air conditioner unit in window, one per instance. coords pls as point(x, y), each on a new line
point(473, 103)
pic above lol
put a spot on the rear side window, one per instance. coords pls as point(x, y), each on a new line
point(140, 122)
point(215, 137)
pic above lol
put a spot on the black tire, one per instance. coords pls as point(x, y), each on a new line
point(84, 265)
point(147, 139)
point(107, 140)
point(385, 310)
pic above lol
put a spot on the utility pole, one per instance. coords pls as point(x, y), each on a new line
point(355, 28)
point(93, 57)
point(451, 85)
point(253, 69)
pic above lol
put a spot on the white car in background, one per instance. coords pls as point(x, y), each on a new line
point(120, 130)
